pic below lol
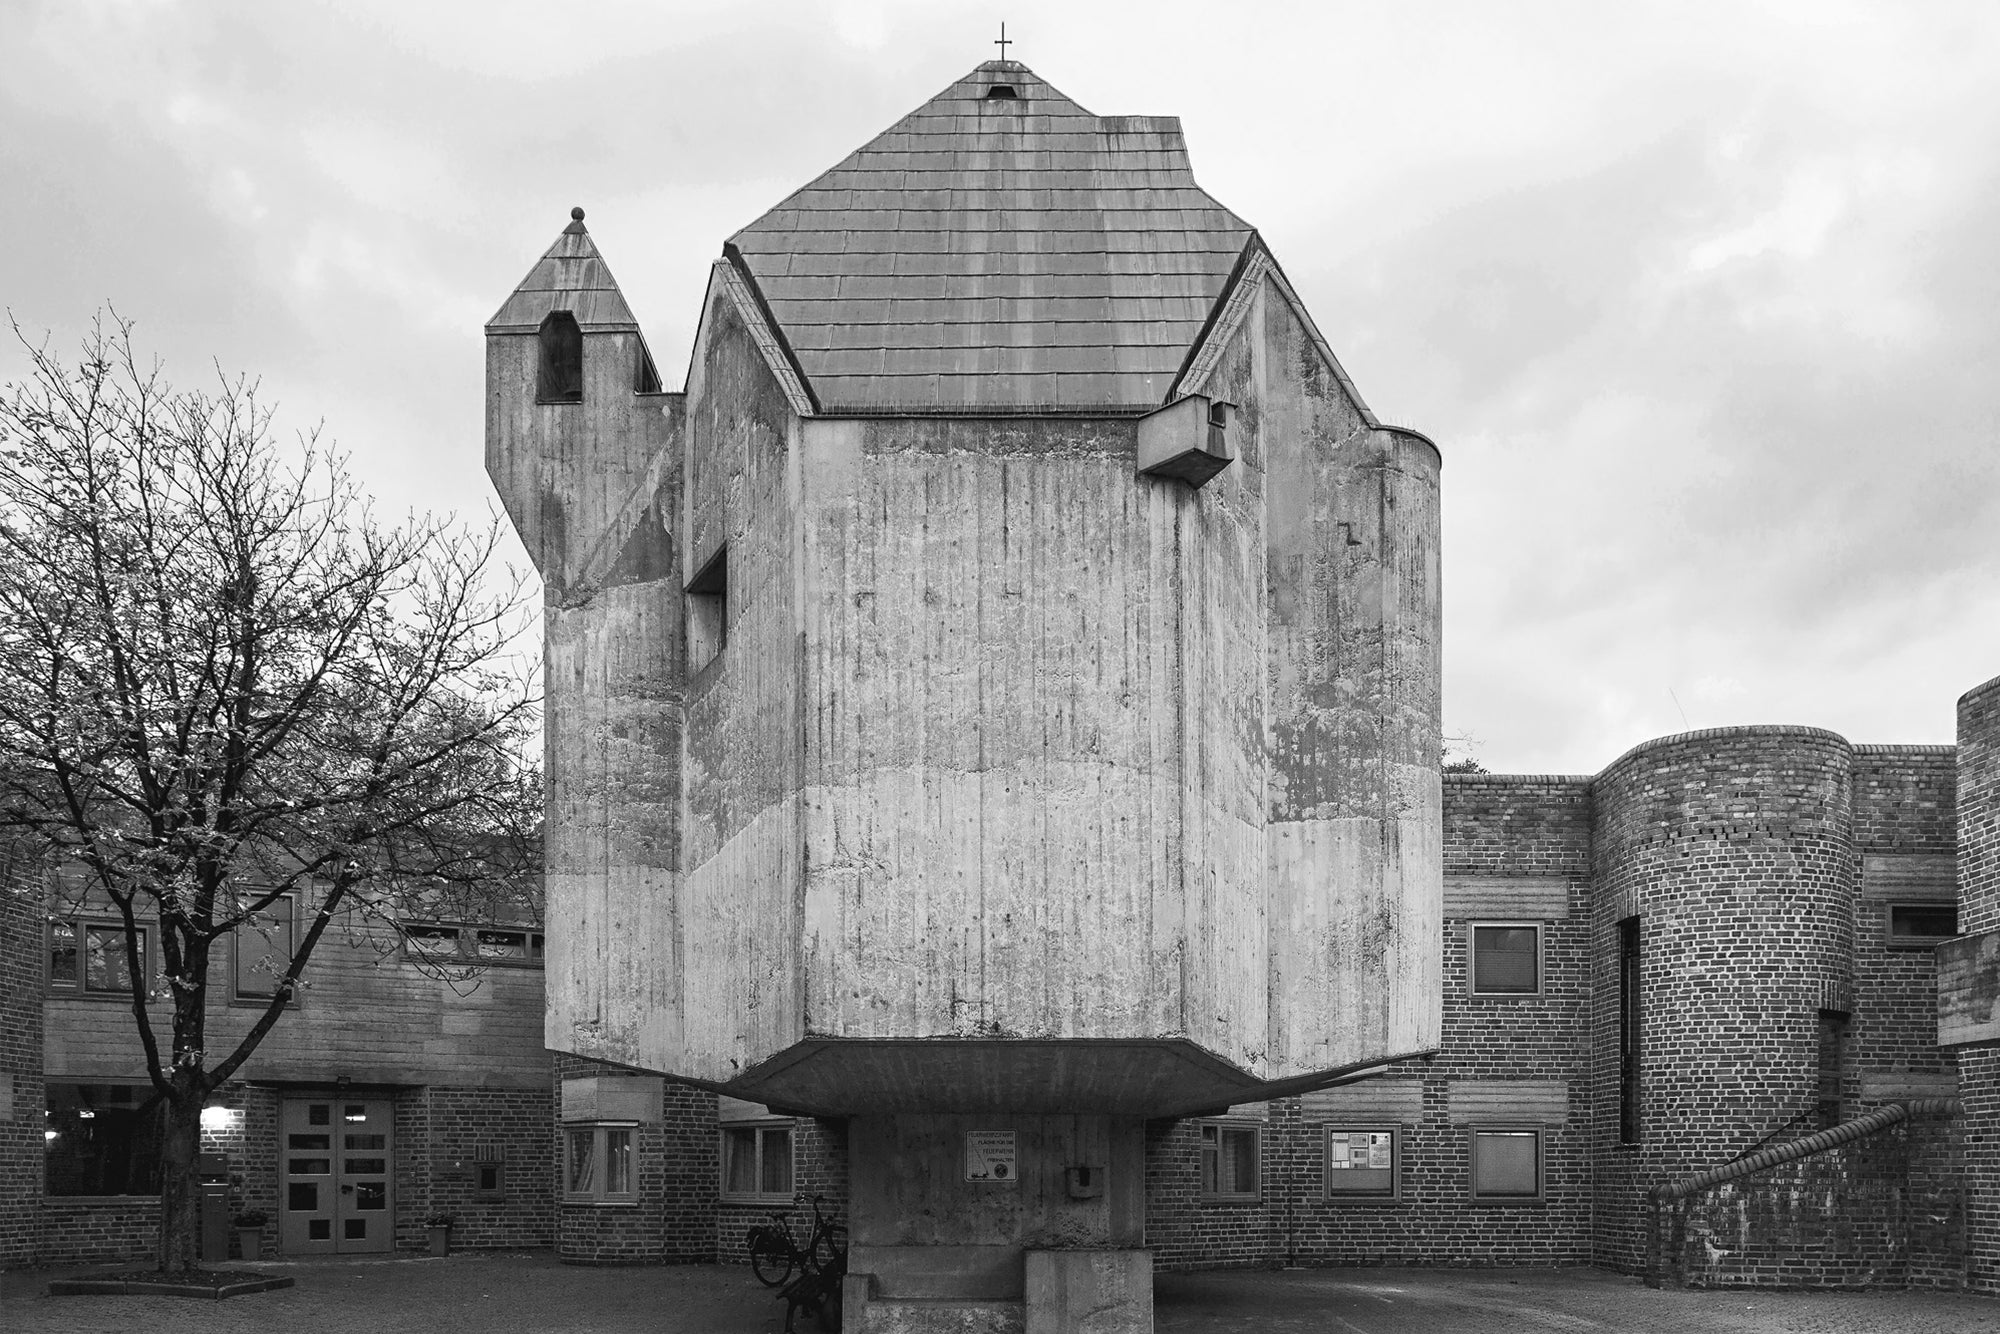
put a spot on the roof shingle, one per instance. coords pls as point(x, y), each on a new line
point(996, 253)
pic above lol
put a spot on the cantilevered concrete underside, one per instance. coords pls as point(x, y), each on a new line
point(1145, 1077)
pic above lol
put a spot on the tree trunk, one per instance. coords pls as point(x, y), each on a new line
point(180, 1181)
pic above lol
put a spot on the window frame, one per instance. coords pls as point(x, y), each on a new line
point(1912, 942)
point(760, 1126)
point(1492, 1199)
point(497, 1192)
point(236, 993)
point(600, 1194)
point(465, 948)
point(1472, 930)
point(77, 986)
point(1222, 1126)
point(1393, 1195)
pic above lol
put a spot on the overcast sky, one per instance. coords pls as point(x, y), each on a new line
point(1700, 302)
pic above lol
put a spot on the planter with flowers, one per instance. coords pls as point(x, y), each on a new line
point(437, 1229)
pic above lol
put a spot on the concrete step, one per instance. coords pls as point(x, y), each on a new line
point(939, 1315)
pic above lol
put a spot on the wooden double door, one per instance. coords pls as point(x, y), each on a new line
point(336, 1160)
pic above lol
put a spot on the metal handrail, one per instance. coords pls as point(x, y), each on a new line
point(1667, 1193)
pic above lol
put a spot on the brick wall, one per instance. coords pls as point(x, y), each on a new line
point(1735, 848)
point(819, 1167)
point(673, 1217)
point(1904, 815)
point(510, 1127)
point(688, 1134)
point(1978, 791)
point(1884, 1211)
point(1517, 848)
point(21, 1095)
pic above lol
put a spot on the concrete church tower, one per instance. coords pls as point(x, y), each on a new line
point(998, 700)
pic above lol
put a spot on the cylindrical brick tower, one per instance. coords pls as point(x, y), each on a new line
point(1733, 848)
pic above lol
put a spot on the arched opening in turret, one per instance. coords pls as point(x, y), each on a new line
point(560, 379)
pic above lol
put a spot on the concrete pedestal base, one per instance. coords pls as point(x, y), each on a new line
point(1090, 1292)
point(997, 1224)
point(1067, 1292)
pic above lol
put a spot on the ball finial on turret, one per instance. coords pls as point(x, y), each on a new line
point(577, 213)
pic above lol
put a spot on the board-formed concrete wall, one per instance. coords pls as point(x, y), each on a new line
point(1003, 738)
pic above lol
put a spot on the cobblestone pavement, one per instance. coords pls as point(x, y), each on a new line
point(531, 1292)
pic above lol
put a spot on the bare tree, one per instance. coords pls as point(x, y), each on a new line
point(223, 682)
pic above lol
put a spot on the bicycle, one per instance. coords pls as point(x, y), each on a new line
point(774, 1254)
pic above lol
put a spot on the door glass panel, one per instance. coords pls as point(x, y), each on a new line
point(320, 1142)
point(310, 1167)
point(371, 1194)
point(304, 1197)
point(366, 1166)
point(367, 1141)
point(319, 1114)
point(319, 1229)
point(354, 1229)
point(356, 1112)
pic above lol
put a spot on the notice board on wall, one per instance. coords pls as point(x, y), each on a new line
point(990, 1156)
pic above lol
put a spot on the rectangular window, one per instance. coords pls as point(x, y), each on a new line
point(757, 1162)
point(1506, 958)
point(473, 946)
point(1506, 1163)
point(1832, 1067)
point(1229, 1161)
point(1628, 1031)
point(99, 1139)
point(597, 1166)
point(1919, 926)
point(263, 951)
point(1363, 1162)
point(89, 958)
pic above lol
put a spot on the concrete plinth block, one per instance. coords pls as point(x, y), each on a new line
point(929, 1315)
point(1090, 1292)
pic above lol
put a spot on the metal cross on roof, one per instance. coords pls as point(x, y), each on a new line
point(1003, 43)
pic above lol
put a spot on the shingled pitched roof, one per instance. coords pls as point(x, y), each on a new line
point(572, 276)
point(997, 253)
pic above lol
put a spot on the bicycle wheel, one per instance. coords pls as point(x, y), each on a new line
point(829, 1248)
point(770, 1259)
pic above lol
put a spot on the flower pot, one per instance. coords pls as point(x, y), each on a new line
point(250, 1243)
point(440, 1240)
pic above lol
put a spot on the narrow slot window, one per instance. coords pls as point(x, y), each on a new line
point(1628, 1031)
point(1832, 1068)
point(708, 612)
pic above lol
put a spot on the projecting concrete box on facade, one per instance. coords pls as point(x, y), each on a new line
point(1002, 685)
